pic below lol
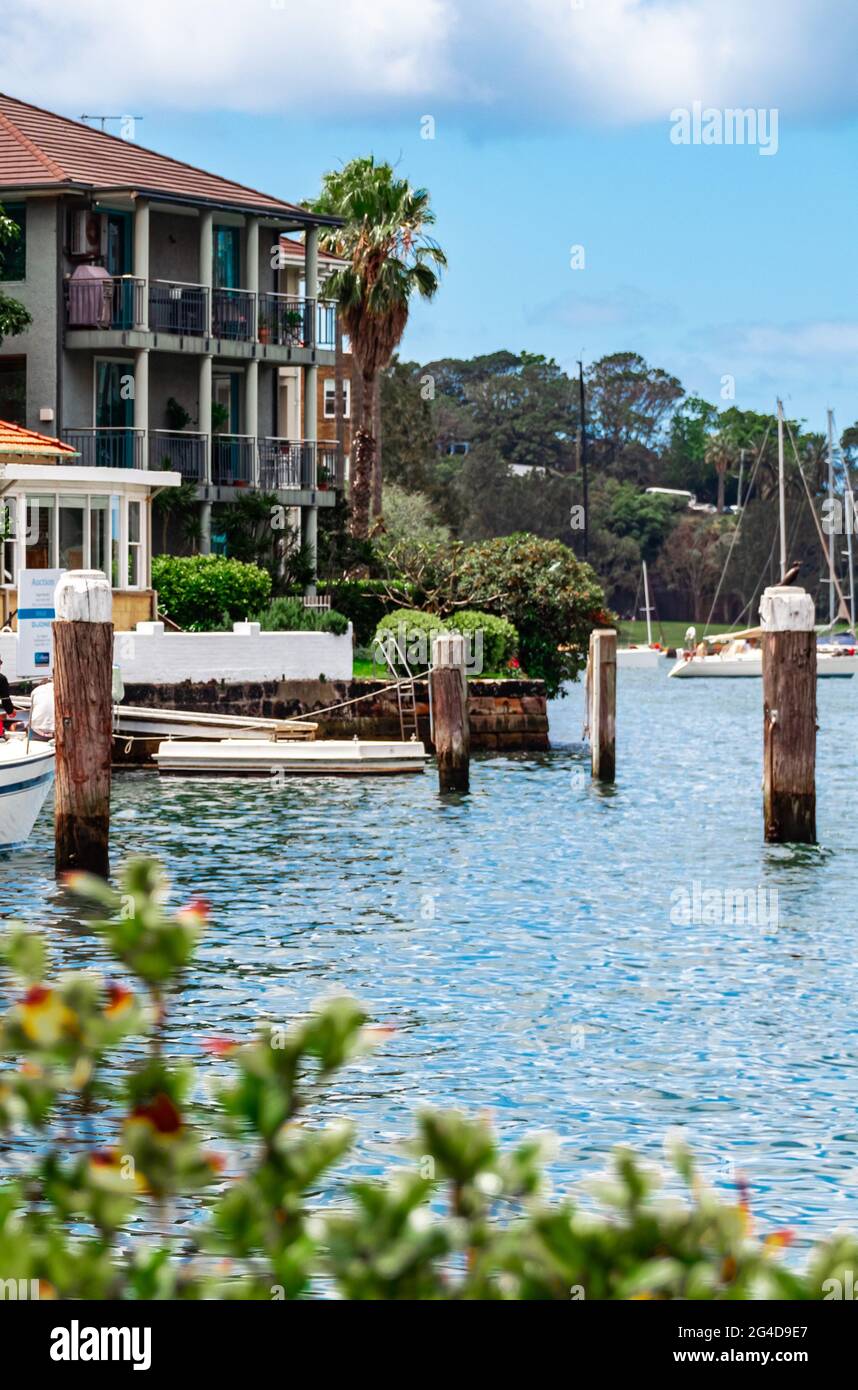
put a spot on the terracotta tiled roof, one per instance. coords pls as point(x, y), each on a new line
point(39, 148)
point(296, 249)
point(14, 439)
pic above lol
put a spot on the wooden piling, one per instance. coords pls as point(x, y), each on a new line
point(83, 669)
point(789, 716)
point(449, 694)
point(602, 678)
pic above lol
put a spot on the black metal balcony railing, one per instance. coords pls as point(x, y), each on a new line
point(234, 315)
point(107, 447)
point(326, 324)
point(330, 468)
point(233, 459)
point(175, 307)
point(109, 302)
point(179, 451)
point(285, 321)
point(285, 465)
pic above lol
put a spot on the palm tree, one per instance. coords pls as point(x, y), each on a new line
point(390, 257)
point(721, 453)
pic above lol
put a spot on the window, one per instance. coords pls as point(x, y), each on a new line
point(13, 254)
point(8, 534)
point(115, 544)
point(99, 533)
point(135, 545)
point(227, 258)
point(40, 533)
point(330, 399)
point(71, 532)
point(13, 390)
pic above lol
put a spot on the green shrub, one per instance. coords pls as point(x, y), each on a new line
point(364, 602)
point(290, 615)
point(500, 639)
point(202, 593)
point(461, 1218)
point(414, 631)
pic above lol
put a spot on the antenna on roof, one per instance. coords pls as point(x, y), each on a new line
point(126, 124)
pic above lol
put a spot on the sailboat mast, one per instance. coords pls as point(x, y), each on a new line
point(781, 491)
point(832, 607)
point(647, 609)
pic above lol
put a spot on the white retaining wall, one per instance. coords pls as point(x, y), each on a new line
point(152, 656)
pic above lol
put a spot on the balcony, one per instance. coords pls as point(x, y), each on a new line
point(286, 465)
point(178, 307)
point(330, 472)
point(233, 460)
point(108, 447)
point(286, 321)
point(180, 450)
point(234, 315)
point(192, 313)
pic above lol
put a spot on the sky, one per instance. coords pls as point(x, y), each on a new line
point(582, 209)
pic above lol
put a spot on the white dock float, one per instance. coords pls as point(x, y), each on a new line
point(243, 757)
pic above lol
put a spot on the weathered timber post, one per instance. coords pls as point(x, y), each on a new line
point(602, 677)
point(83, 672)
point(789, 716)
point(449, 690)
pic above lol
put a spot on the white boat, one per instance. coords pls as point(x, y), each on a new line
point(739, 658)
point(268, 757)
point(26, 774)
point(642, 658)
point(638, 658)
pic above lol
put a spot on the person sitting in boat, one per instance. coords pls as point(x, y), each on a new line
point(42, 725)
point(5, 700)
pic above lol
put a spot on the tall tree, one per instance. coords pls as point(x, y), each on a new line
point(722, 455)
point(390, 258)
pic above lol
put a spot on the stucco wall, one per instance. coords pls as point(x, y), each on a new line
point(38, 292)
point(174, 247)
point(222, 656)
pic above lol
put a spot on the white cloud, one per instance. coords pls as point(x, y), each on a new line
point(612, 61)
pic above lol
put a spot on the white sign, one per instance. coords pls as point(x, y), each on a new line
point(36, 612)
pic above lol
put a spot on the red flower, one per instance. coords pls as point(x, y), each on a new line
point(161, 1114)
point(36, 994)
point(514, 663)
point(219, 1047)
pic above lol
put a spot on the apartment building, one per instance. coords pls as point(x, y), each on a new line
point(168, 329)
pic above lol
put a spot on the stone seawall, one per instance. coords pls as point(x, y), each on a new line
point(508, 714)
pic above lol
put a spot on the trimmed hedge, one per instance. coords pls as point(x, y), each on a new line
point(364, 602)
point(290, 615)
point(500, 638)
point(202, 593)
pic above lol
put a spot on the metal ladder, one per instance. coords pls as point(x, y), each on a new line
point(405, 696)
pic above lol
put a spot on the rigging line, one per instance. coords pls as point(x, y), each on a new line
point(738, 529)
point(843, 611)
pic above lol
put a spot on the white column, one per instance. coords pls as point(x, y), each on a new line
point(251, 408)
point(141, 401)
point(251, 261)
point(206, 269)
point(205, 427)
point(310, 531)
point(141, 256)
point(311, 282)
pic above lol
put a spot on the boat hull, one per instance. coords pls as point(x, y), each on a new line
point(751, 666)
point(25, 780)
point(266, 758)
point(638, 658)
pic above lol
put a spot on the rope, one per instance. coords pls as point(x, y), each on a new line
point(735, 536)
point(294, 719)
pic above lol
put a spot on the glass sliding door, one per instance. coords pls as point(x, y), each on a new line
point(71, 532)
point(114, 413)
point(99, 534)
point(40, 541)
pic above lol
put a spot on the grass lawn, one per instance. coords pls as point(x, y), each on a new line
point(364, 670)
point(668, 634)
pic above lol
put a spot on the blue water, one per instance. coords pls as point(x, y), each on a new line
point(520, 940)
